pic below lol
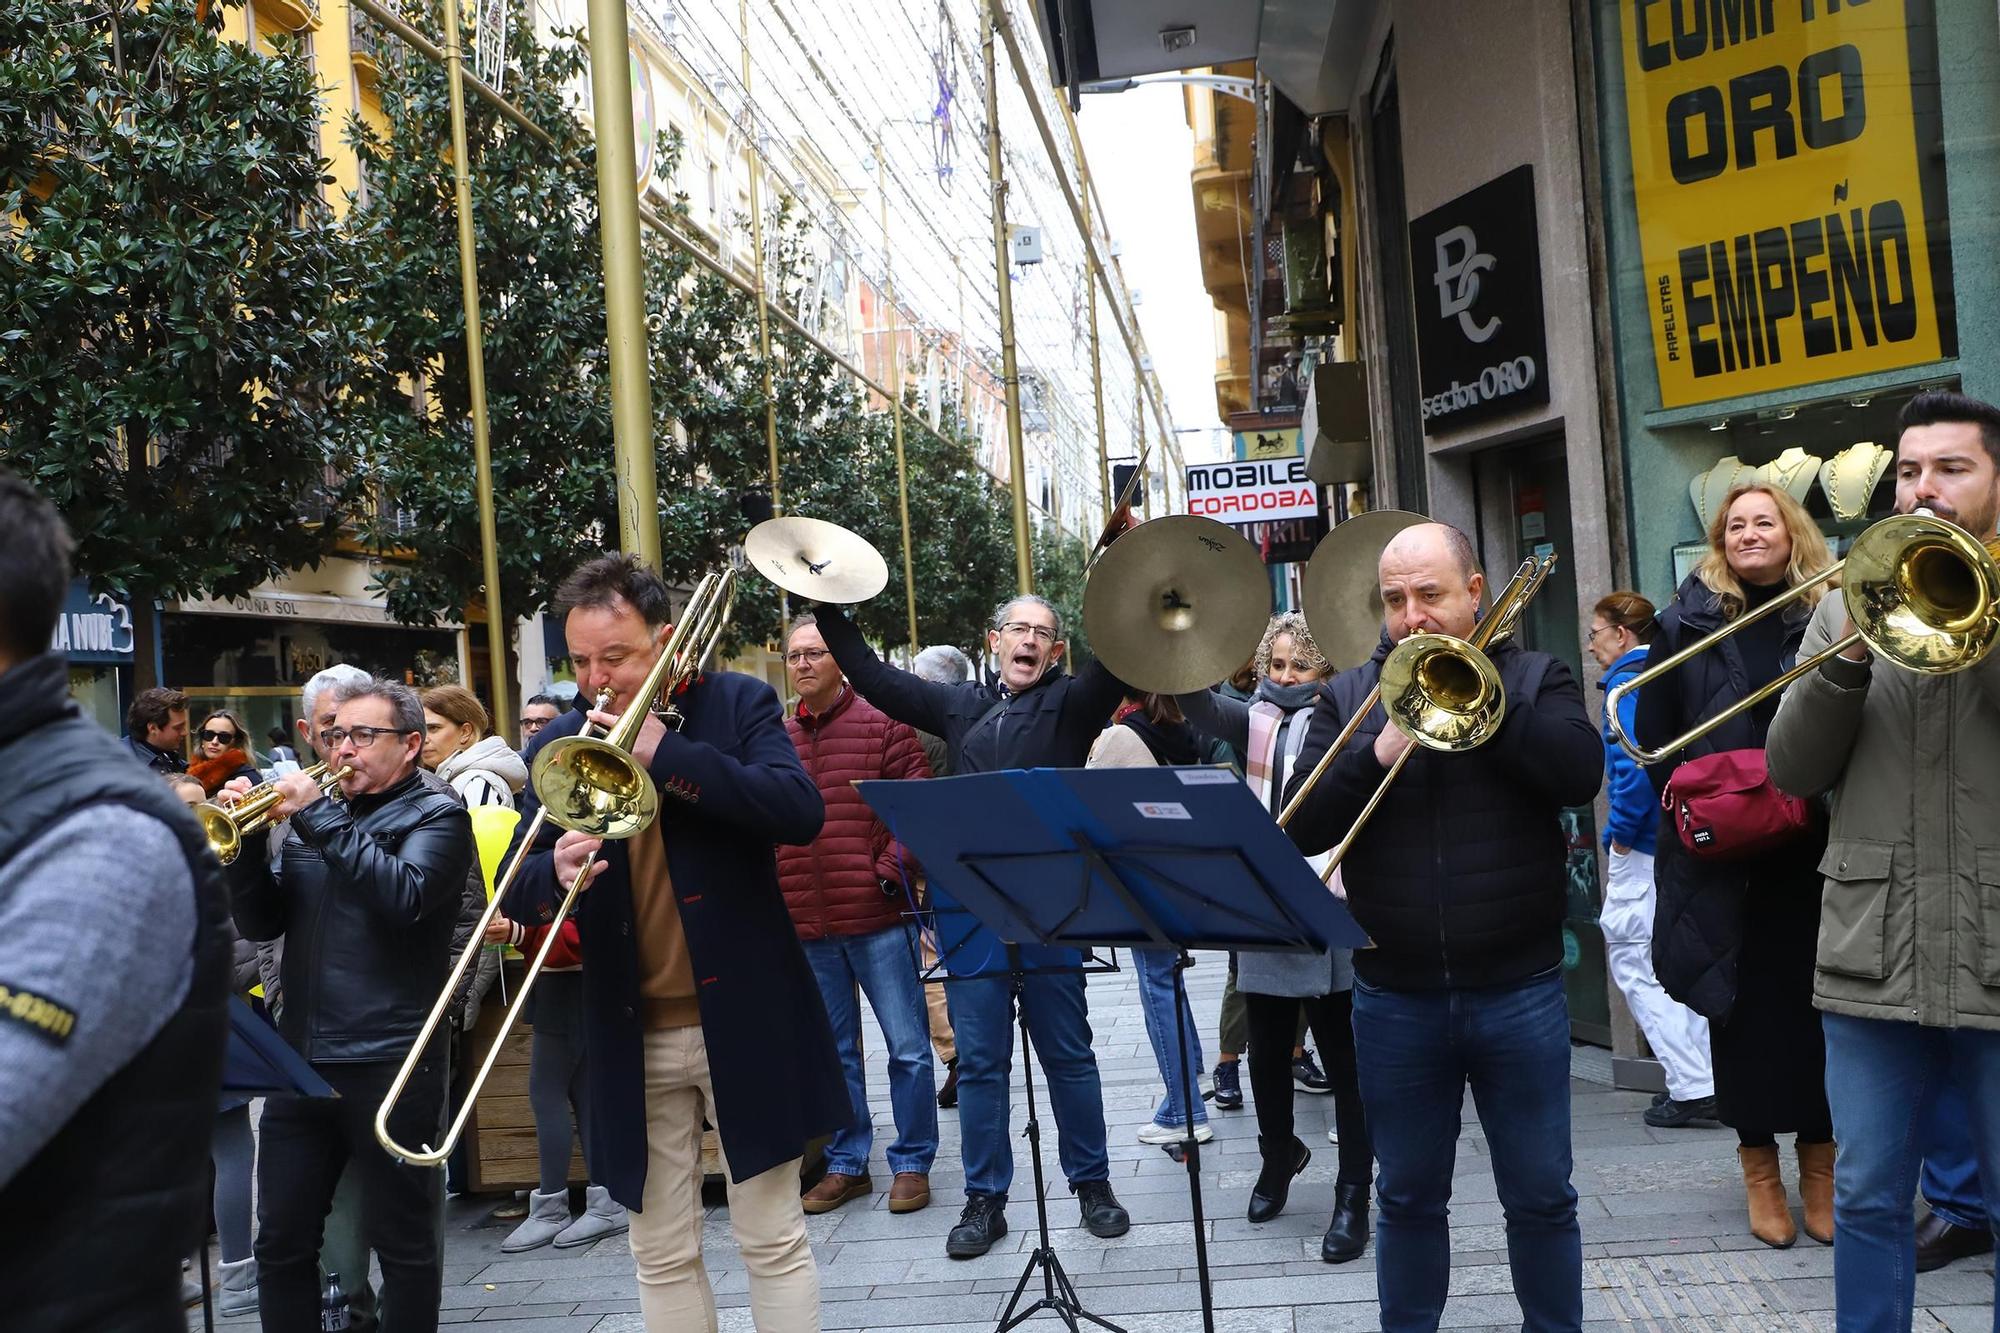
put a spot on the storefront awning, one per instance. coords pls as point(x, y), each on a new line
point(267, 605)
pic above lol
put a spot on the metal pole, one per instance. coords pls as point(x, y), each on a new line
point(896, 412)
point(757, 243)
point(1017, 467)
point(1144, 482)
point(475, 376)
point(1096, 361)
point(624, 280)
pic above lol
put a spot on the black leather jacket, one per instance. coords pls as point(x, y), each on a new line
point(365, 895)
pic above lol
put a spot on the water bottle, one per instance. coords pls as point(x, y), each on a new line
point(333, 1307)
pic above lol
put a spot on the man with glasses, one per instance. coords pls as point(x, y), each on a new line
point(538, 712)
point(1033, 716)
point(365, 893)
point(846, 892)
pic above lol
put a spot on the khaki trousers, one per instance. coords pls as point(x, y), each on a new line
point(936, 1007)
point(764, 1211)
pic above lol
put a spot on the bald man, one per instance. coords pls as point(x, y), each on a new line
point(1460, 880)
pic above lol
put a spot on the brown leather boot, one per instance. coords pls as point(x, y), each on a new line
point(909, 1191)
point(835, 1189)
point(1816, 1189)
point(1770, 1216)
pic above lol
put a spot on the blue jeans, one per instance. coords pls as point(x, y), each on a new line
point(982, 1016)
point(885, 967)
point(1950, 1181)
point(1883, 1080)
point(1417, 1050)
point(1154, 969)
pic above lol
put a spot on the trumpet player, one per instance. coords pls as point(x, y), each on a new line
point(366, 892)
point(695, 992)
point(1460, 881)
point(1908, 964)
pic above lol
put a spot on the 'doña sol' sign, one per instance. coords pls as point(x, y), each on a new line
point(1787, 172)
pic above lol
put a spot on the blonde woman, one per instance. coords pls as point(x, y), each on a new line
point(1734, 940)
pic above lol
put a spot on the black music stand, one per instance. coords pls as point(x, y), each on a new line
point(1176, 858)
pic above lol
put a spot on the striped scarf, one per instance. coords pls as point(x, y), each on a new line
point(1264, 768)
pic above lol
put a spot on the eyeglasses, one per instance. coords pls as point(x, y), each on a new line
point(363, 737)
point(1590, 639)
point(533, 724)
point(219, 737)
point(806, 657)
point(1019, 628)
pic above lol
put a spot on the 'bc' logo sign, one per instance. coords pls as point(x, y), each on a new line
point(1459, 264)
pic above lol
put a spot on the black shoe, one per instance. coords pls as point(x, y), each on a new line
point(1228, 1086)
point(1939, 1242)
point(1660, 1098)
point(1307, 1076)
point(1274, 1182)
point(1671, 1114)
point(983, 1222)
point(1103, 1215)
point(1347, 1236)
point(948, 1094)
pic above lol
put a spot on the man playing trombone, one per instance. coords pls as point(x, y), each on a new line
point(365, 894)
point(1459, 880)
point(697, 999)
point(1908, 978)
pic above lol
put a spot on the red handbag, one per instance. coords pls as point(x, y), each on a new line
point(1724, 806)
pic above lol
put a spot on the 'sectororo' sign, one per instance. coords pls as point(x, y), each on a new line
point(1790, 230)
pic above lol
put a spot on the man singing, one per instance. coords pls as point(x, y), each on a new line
point(1036, 717)
point(365, 895)
point(847, 894)
point(698, 1003)
point(1908, 977)
point(1459, 881)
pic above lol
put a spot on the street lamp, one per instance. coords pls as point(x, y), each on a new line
point(1230, 84)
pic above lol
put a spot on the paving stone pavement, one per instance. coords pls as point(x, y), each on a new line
point(1665, 1244)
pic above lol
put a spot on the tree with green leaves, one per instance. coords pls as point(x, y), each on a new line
point(174, 348)
point(542, 301)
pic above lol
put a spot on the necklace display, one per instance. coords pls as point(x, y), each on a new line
point(1849, 478)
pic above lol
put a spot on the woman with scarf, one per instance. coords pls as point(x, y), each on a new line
point(1147, 729)
point(222, 752)
point(1270, 729)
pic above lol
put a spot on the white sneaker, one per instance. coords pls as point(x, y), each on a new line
point(1165, 1134)
point(1333, 1134)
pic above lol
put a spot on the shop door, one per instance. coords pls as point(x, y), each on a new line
point(1529, 487)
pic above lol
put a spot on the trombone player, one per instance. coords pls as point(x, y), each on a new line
point(697, 999)
point(365, 893)
point(1460, 881)
point(1908, 978)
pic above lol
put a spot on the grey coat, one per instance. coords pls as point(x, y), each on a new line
point(1259, 972)
point(1910, 913)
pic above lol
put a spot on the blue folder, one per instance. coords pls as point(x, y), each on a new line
point(1123, 857)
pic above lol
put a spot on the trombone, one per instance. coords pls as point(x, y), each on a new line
point(586, 784)
point(226, 826)
point(1443, 692)
point(1920, 591)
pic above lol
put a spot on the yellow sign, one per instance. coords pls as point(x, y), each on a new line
point(1787, 227)
point(1259, 444)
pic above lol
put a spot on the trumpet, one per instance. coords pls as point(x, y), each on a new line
point(586, 784)
point(1922, 593)
point(226, 827)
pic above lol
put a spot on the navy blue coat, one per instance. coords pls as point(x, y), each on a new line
point(731, 788)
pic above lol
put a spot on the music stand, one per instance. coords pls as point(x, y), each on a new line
point(1179, 858)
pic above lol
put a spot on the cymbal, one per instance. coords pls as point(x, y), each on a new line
point(816, 560)
point(1342, 589)
point(1177, 604)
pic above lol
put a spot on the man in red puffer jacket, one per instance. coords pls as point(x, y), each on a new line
point(846, 893)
